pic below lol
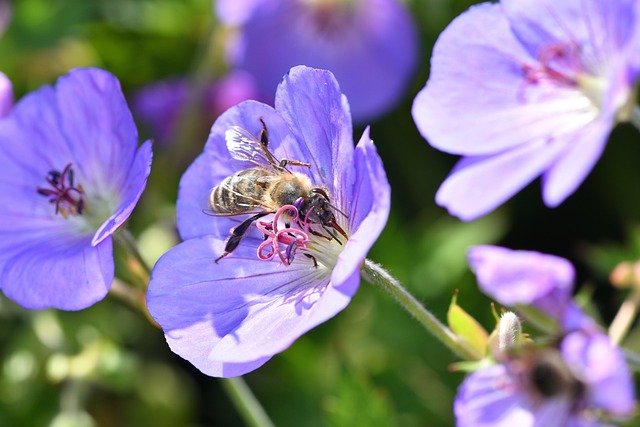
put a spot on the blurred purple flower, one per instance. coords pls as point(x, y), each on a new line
point(6, 95)
point(527, 278)
point(543, 386)
point(523, 278)
point(566, 386)
point(370, 45)
point(230, 90)
point(229, 318)
point(160, 104)
point(6, 10)
point(526, 88)
point(71, 175)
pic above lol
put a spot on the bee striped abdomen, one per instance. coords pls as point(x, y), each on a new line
point(240, 192)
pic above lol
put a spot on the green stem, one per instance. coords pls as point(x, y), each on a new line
point(136, 266)
point(132, 296)
point(625, 317)
point(375, 274)
point(634, 118)
point(633, 359)
point(130, 244)
point(246, 403)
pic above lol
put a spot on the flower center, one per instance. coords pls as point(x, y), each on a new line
point(329, 17)
point(559, 63)
point(563, 64)
point(63, 193)
point(300, 236)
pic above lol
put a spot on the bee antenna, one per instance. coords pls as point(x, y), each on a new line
point(339, 211)
point(332, 235)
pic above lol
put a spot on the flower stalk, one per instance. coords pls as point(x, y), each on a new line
point(246, 403)
point(136, 264)
point(624, 318)
point(634, 118)
point(375, 274)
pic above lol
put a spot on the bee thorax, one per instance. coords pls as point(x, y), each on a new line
point(287, 189)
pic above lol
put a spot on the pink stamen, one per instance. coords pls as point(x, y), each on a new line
point(558, 64)
point(63, 193)
point(290, 238)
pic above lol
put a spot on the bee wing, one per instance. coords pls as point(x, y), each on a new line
point(243, 145)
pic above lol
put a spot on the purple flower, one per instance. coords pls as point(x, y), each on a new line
point(6, 95)
point(6, 10)
point(160, 104)
point(370, 45)
point(71, 175)
point(523, 278)
point(527, 278)
point(550, 387)
point(558, 385)
point(230, 317)
point(527, 88)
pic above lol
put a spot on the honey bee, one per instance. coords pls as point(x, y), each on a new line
point(266, 187)
point(548, 374)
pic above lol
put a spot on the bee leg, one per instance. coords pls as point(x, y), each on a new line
point(315, 262)
point(332, 234)
point(318, 234)
point(264, 142)
point(285, 162)
point(237, 234)
point(264, 134)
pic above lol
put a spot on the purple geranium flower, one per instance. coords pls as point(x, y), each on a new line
point(370, 45)
point(230, 317)
point(561, 385)
point(565, 386)
point(71, 175)
point(523, 278)
point(6, 95)
point(6, 10)
point(526, 88)
point(160, 104)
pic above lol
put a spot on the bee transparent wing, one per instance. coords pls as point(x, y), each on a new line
point(244, 146)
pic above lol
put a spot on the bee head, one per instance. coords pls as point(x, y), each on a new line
point(317, 209)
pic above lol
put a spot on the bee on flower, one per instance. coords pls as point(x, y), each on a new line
point(298, 262)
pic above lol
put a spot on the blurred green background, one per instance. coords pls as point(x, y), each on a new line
point(372, 365)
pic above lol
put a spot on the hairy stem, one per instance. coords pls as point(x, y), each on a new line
point(624, 318)
point(246, 403)
point(375, 274)
point(135, 263)
point(634, 119)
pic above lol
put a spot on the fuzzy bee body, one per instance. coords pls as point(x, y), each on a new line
point(258, 188)
point(239, 193)
point(266, 187)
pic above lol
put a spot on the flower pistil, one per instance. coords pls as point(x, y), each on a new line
point(63, 192)
point(321, 248)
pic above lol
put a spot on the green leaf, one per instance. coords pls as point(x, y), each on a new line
point(467, 328)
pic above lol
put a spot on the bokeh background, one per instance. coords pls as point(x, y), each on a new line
point(372, 365)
